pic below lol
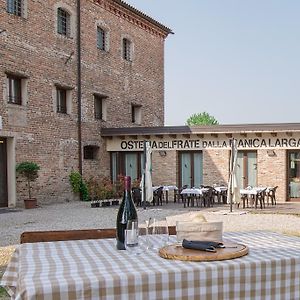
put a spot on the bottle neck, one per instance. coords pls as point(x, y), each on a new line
point(127, 183)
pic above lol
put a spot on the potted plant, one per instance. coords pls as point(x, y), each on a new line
point(29, 170)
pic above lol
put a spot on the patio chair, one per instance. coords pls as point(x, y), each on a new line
point(137, 196)
point(260, 197)
point(158, 196)
point(66, 235)
point(208, 196)
point(271, 195)
point(177, 193)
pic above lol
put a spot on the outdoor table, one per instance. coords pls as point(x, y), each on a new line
point(166, 189)
point(252, 192)
point(191, 193)
point(221, 193)
point(93, 269)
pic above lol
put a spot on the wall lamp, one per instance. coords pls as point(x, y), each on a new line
point(162, 153)
point(271, 153)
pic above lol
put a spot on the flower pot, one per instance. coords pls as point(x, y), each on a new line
point(30, 203)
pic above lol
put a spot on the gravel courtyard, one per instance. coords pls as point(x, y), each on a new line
point(79, 215)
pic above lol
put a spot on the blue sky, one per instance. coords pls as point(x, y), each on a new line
point(237, 60)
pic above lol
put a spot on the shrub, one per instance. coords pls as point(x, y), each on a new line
point(78, 185)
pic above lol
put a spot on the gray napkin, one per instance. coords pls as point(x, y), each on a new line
point(202, 245)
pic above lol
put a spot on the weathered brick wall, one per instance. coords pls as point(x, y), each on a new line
point(33, 48)
point(215, 166)
point(271, 171)
point(164, 168)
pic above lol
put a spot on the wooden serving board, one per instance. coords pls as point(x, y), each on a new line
point(177, 252)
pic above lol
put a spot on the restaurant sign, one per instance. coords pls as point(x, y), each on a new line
point(205, 143)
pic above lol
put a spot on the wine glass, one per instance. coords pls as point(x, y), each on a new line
point(157, 233)
point(132, 236)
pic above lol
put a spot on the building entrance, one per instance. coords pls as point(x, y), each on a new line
point(246, 168)
point(3, 173)
point(294, 175)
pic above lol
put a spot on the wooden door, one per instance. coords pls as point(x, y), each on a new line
point(3, 173)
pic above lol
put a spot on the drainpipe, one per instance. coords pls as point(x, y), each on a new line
point(79, 86)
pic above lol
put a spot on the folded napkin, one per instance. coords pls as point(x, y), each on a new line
point(202, 245)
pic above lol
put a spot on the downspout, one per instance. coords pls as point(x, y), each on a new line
point(79, 87)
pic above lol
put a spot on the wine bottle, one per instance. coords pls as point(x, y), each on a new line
point(126, 212)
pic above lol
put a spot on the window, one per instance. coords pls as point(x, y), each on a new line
point(136, 114)
point(127, 49)
point(101, 39)
point(15, 7)
point(100, 107)
point(14, 89)
point(63, 22)
point(90, 152)
point(61, 100)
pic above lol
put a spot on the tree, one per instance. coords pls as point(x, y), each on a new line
point(29, 170)
point(201, 119)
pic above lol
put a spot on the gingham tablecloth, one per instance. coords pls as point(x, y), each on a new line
point(94, 269)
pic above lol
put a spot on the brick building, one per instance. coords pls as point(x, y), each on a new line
point(43, 119)
point(268, 155)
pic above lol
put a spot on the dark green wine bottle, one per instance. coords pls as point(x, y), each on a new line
point(126, 212)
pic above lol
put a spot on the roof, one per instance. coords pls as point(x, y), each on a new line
point(212, 129)
point(144, 16)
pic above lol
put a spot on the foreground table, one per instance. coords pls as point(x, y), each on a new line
point(94, 269)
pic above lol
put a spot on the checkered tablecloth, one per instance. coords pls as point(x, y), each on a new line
point(94, 269)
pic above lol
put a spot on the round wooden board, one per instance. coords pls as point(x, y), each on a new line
point(177, 252)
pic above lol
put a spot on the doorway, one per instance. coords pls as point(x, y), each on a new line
point(190, 168)
point(294, 175)
point(3, 173)
point(246, 169)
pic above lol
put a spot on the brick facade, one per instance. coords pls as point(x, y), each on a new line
point(32, 48)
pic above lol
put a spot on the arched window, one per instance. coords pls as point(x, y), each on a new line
point(63, 22)
point(127, 52)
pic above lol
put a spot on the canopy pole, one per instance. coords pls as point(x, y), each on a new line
point(144, 172)
point(231, 171)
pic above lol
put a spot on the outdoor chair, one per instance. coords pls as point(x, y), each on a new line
point(177, 193)
point(245, 200)
point(208, 196)
point(66, 235)
point(158, 196)
point(271, 195)
point(137, 196)
point(260, 197)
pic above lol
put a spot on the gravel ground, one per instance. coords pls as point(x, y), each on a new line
point(79, 215)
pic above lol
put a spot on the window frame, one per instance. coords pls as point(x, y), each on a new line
point(59, 106)
point(126, 49)
point(90, 152)
point(101, 31)
point(63, 29)
point(100, 107)
point(15, 7)
point(12, 79)
point(136, 114)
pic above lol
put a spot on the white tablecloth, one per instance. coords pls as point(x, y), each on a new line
point(194, 191)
